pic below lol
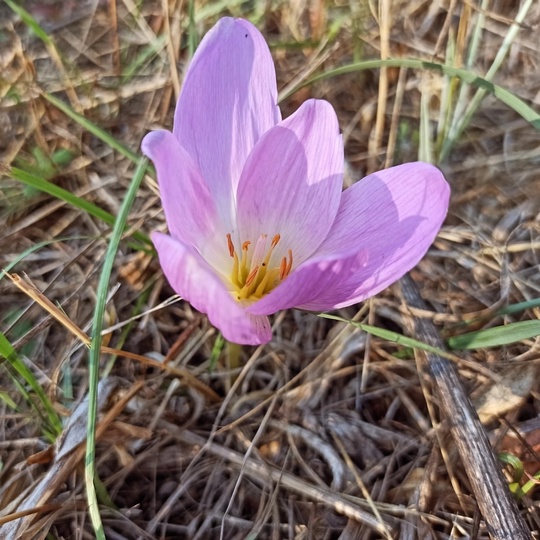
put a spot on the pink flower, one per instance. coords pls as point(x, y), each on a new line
point(254, 204)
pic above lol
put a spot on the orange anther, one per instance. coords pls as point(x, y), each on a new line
point(283, 268)
point(252, 276)
point(289, 264)
point(275, 240)
point(230, 245)
point(246, 245)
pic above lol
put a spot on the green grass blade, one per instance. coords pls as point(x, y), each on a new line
point(54, 425)
point(394, 337)
point(514, 462)
point(424, 148)
point(4, 396)
point(52, 189)
point(217, 349)
point(510, 309)
point(446, 99)
point(491, 337)
point(458, 108)
point(472, 105)
point(530, 485)
point(95, 346)
point(30, 22)
point(193, 37)
point(494, 337)
point(477, 34)
point(506, 97)
point(517, 308)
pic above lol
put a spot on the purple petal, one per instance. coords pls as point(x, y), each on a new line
point(385, 224)
point(291, 184)
point(189, 209)
point(228, 100)
point(310, 282)
point(192, 278)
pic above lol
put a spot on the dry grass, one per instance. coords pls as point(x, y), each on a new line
point(325, 432)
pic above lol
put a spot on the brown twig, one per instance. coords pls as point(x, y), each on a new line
point(499, 509)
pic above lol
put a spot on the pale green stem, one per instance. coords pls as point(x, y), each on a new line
point(234, 355)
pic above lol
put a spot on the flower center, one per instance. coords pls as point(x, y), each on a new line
point(251, 274)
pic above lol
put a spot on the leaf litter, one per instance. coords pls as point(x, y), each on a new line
point(327, 433)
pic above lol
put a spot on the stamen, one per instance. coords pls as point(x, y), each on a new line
point(252, 276)
point(267, 284)
point(243, 269)
point(289, 264)
point(230, 245)
point(273, 244)
point(283, 268)
point(236, 271)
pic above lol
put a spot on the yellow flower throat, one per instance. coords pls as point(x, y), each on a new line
point(251, 275)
